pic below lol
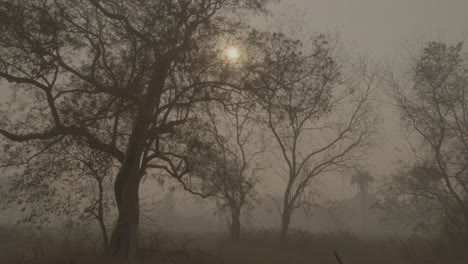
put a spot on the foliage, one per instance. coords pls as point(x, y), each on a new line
point(432, 102)
point(117, 76)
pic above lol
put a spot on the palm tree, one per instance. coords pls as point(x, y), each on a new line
point(363, 180)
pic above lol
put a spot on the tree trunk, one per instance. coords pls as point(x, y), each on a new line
point(100, 217)
point(285, 221)
point(124, 236)
point(105, 239)
point(113, 247)
point(466, 225)
point(364, 212)
point(235, 225)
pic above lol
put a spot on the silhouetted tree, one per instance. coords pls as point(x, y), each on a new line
point(319, 119)
point(233, 142)
point(79, 68)
point(64, 180)
point(432, 99)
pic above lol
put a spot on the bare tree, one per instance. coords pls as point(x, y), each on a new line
point(432, 100)
point(231, 169)
point(320, 119)
point(74, 65)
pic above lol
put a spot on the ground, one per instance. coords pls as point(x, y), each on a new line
point(20, 246)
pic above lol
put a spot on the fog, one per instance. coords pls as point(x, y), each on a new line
point(336, 133)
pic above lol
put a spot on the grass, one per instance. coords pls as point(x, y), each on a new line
point(21, 246)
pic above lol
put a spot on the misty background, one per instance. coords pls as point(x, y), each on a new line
point(385, 31)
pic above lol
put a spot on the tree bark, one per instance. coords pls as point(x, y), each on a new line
point(235, 224)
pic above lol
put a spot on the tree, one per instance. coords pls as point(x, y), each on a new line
point(233, 143)
point(432, 101)
point(363, 180)
point(412, 198)
point(320, 120)
point(63, 182)
point(85, 69)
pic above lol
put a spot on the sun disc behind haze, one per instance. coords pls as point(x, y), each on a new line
point(233, 53)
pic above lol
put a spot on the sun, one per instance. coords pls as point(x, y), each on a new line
point(233, 53)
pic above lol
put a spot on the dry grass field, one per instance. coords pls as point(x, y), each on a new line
point(19, 246)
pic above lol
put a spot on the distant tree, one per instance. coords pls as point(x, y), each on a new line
point(363, 180)
point(74, 65)
point(230, 166)
point(432, 98)
point(320, 118)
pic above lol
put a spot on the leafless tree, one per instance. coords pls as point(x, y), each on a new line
point(319, 115)
point(235, 143)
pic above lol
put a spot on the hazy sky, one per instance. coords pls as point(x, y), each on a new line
point(383, 29)
point(381, 26)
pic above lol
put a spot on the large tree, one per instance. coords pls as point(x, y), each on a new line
point(118, 75)
point(318, 111)
point(432, 98)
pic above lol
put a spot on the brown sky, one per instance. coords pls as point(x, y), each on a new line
point(383, 29)
point(380, 28)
